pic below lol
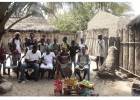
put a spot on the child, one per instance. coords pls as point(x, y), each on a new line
point(2, 58)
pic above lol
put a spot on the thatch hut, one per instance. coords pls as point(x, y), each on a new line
point(106, 24)
point(37, 25)
point(106, 20)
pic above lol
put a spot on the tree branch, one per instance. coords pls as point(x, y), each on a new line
point(9, 27)
point(10, 12)
point(3, 7)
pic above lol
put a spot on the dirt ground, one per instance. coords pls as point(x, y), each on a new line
point(45, 87)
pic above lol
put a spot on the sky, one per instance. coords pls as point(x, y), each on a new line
point(136, 7)
point(135, 4)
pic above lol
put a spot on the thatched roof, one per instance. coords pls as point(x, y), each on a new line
point(102, 20)
point(123, 22)
point(135, 23)
point(31, 24)
point(106, 20)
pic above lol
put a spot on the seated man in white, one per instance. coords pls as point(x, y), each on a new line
point(32, 60)
point(47, 63)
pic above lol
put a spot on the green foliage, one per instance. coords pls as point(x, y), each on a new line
point(81, 13)
point(65, 22)
point(119, 8)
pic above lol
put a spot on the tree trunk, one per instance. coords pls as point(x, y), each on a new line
point(1, 32)
point(125, 48)
point(137, 53)
point(131, 66)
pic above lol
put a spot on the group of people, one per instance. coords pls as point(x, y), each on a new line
point(45, 55)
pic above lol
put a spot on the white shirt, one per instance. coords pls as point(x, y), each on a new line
point(100, 48)
point(82, 46)
point(17, 42)
point(48, 60)
point(33, 56)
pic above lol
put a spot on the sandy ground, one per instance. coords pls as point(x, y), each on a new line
point(45, 87)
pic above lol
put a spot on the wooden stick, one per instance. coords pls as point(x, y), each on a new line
point(130, 42)
point(129, 72)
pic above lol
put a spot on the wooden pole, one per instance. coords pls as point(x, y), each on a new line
point(125, 49)
point(92, 43)
point(121, 48)
point(137, 53)
point(124, 70)
point(131, 66)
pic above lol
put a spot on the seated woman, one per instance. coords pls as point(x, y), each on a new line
point(82, 64)
point(63, 60)
point(47, 63)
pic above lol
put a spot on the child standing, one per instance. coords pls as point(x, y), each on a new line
point(2, 58)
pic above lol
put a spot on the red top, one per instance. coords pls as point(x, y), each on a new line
point(63, 58)
point(2, 55)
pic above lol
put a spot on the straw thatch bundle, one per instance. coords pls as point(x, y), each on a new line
point(35, 24)
point(135, 23)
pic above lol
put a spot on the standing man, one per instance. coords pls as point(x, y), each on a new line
point(55, 47)
point(65, 44)
point(32, 41)
point(42, 46)
point(48, 44)
point(56, 51)
point(16, 47)
point(73, 50)
point(100, 51)
point(82, 45)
